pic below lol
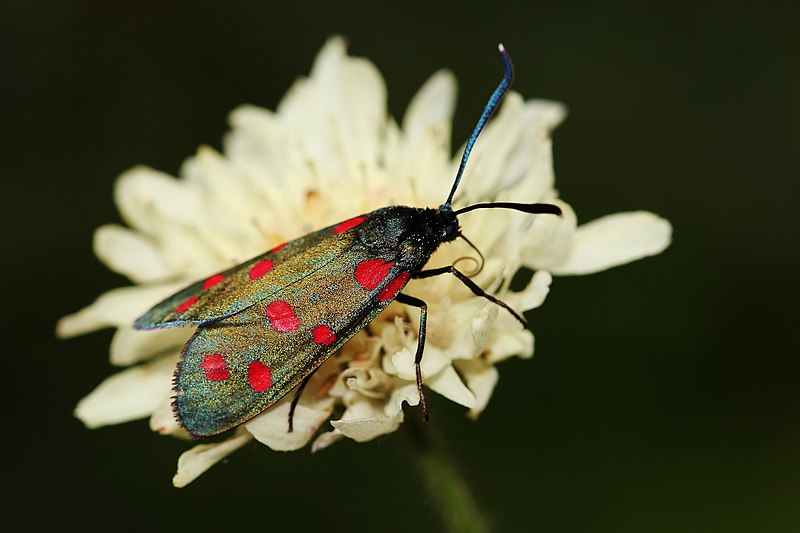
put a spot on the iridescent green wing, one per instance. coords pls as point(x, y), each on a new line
point(233, 369)
point(233, 290)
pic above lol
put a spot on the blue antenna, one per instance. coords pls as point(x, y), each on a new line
point(488, 111)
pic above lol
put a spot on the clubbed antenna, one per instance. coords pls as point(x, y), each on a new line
point(488, 111)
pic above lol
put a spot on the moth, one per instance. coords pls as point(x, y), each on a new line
point(265, 326)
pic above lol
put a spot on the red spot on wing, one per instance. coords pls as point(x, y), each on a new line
point(215, 367)
point(372, 272)
point(261, 268)
point(186, 304)
point(279, 247)
point(213, 280)
point(349, 224)
point(259, 376)
point(282, 317)
point(323, 335)
point(393, 287)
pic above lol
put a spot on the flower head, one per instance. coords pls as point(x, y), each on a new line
point(330, 152)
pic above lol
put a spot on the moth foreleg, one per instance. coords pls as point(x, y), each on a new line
point(471, 285)
point(423, 320)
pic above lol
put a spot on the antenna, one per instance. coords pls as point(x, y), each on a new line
point(488, 111)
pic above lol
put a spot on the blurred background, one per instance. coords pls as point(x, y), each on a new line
point(663, 396)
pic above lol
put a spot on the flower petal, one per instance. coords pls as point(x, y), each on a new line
point(147, 199)
point(128, 395)
point(614, 240)
point(449, 384)
point(366, 429)
point(130, 253)
point(191, 253)
point(324, 440)
point(509, 343)
point(271, 427)
point(548, 113)
point(365, 419)
point(483, 325)
point(130, 346)
point(481, 378)
point(194, 462)
point(163, 421)
point(534, 294)
point(401, 363)
point(485, 172)
point(548, 240)
point(117, 307)
point(529, 169)
point(431, 107)
point(230, 229)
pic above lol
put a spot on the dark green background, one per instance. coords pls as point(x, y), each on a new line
point(663, 395)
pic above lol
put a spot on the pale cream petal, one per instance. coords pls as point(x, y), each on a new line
point(361, 102)
point(529, 169)
point(449, 384)
point(192, 463)
point(117, 307)
point(548, 241)
point(147, 199)
point(307, 138)
point(506, 343)
point(614, 240)
point(403, 392)
point(421, 175)
point(483, 326)
point(365, 419)
point(372, 382)
point(256, 146)
point(431, 107)
point(334, 119)
point(401, 363)
point(190, 254)
point(486, 175)
point(394, 168)
point(130, 253)
point(324, 440)
point(253, 147)
point(254, 130)
point(533, 295)
point(546, 112)
point(481, 378)
point(368, 428)
point(128, 395)
point(234, 206)
point(497, 234)
point(163, 421)
point(129, 346)
point(272, 427)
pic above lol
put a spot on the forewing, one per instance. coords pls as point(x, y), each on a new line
point(233, 290)
point(233, 369)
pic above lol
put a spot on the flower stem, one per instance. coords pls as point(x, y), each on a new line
point(447, 489)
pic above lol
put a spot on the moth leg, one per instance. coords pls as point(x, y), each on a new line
point(297, 399)
point(423, 321)
point(477, 291)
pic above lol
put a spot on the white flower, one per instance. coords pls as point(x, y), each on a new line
point(328, 153)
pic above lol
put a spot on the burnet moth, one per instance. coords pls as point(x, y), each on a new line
point(265, 326)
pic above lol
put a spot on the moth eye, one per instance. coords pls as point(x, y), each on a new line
point(450, 231)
